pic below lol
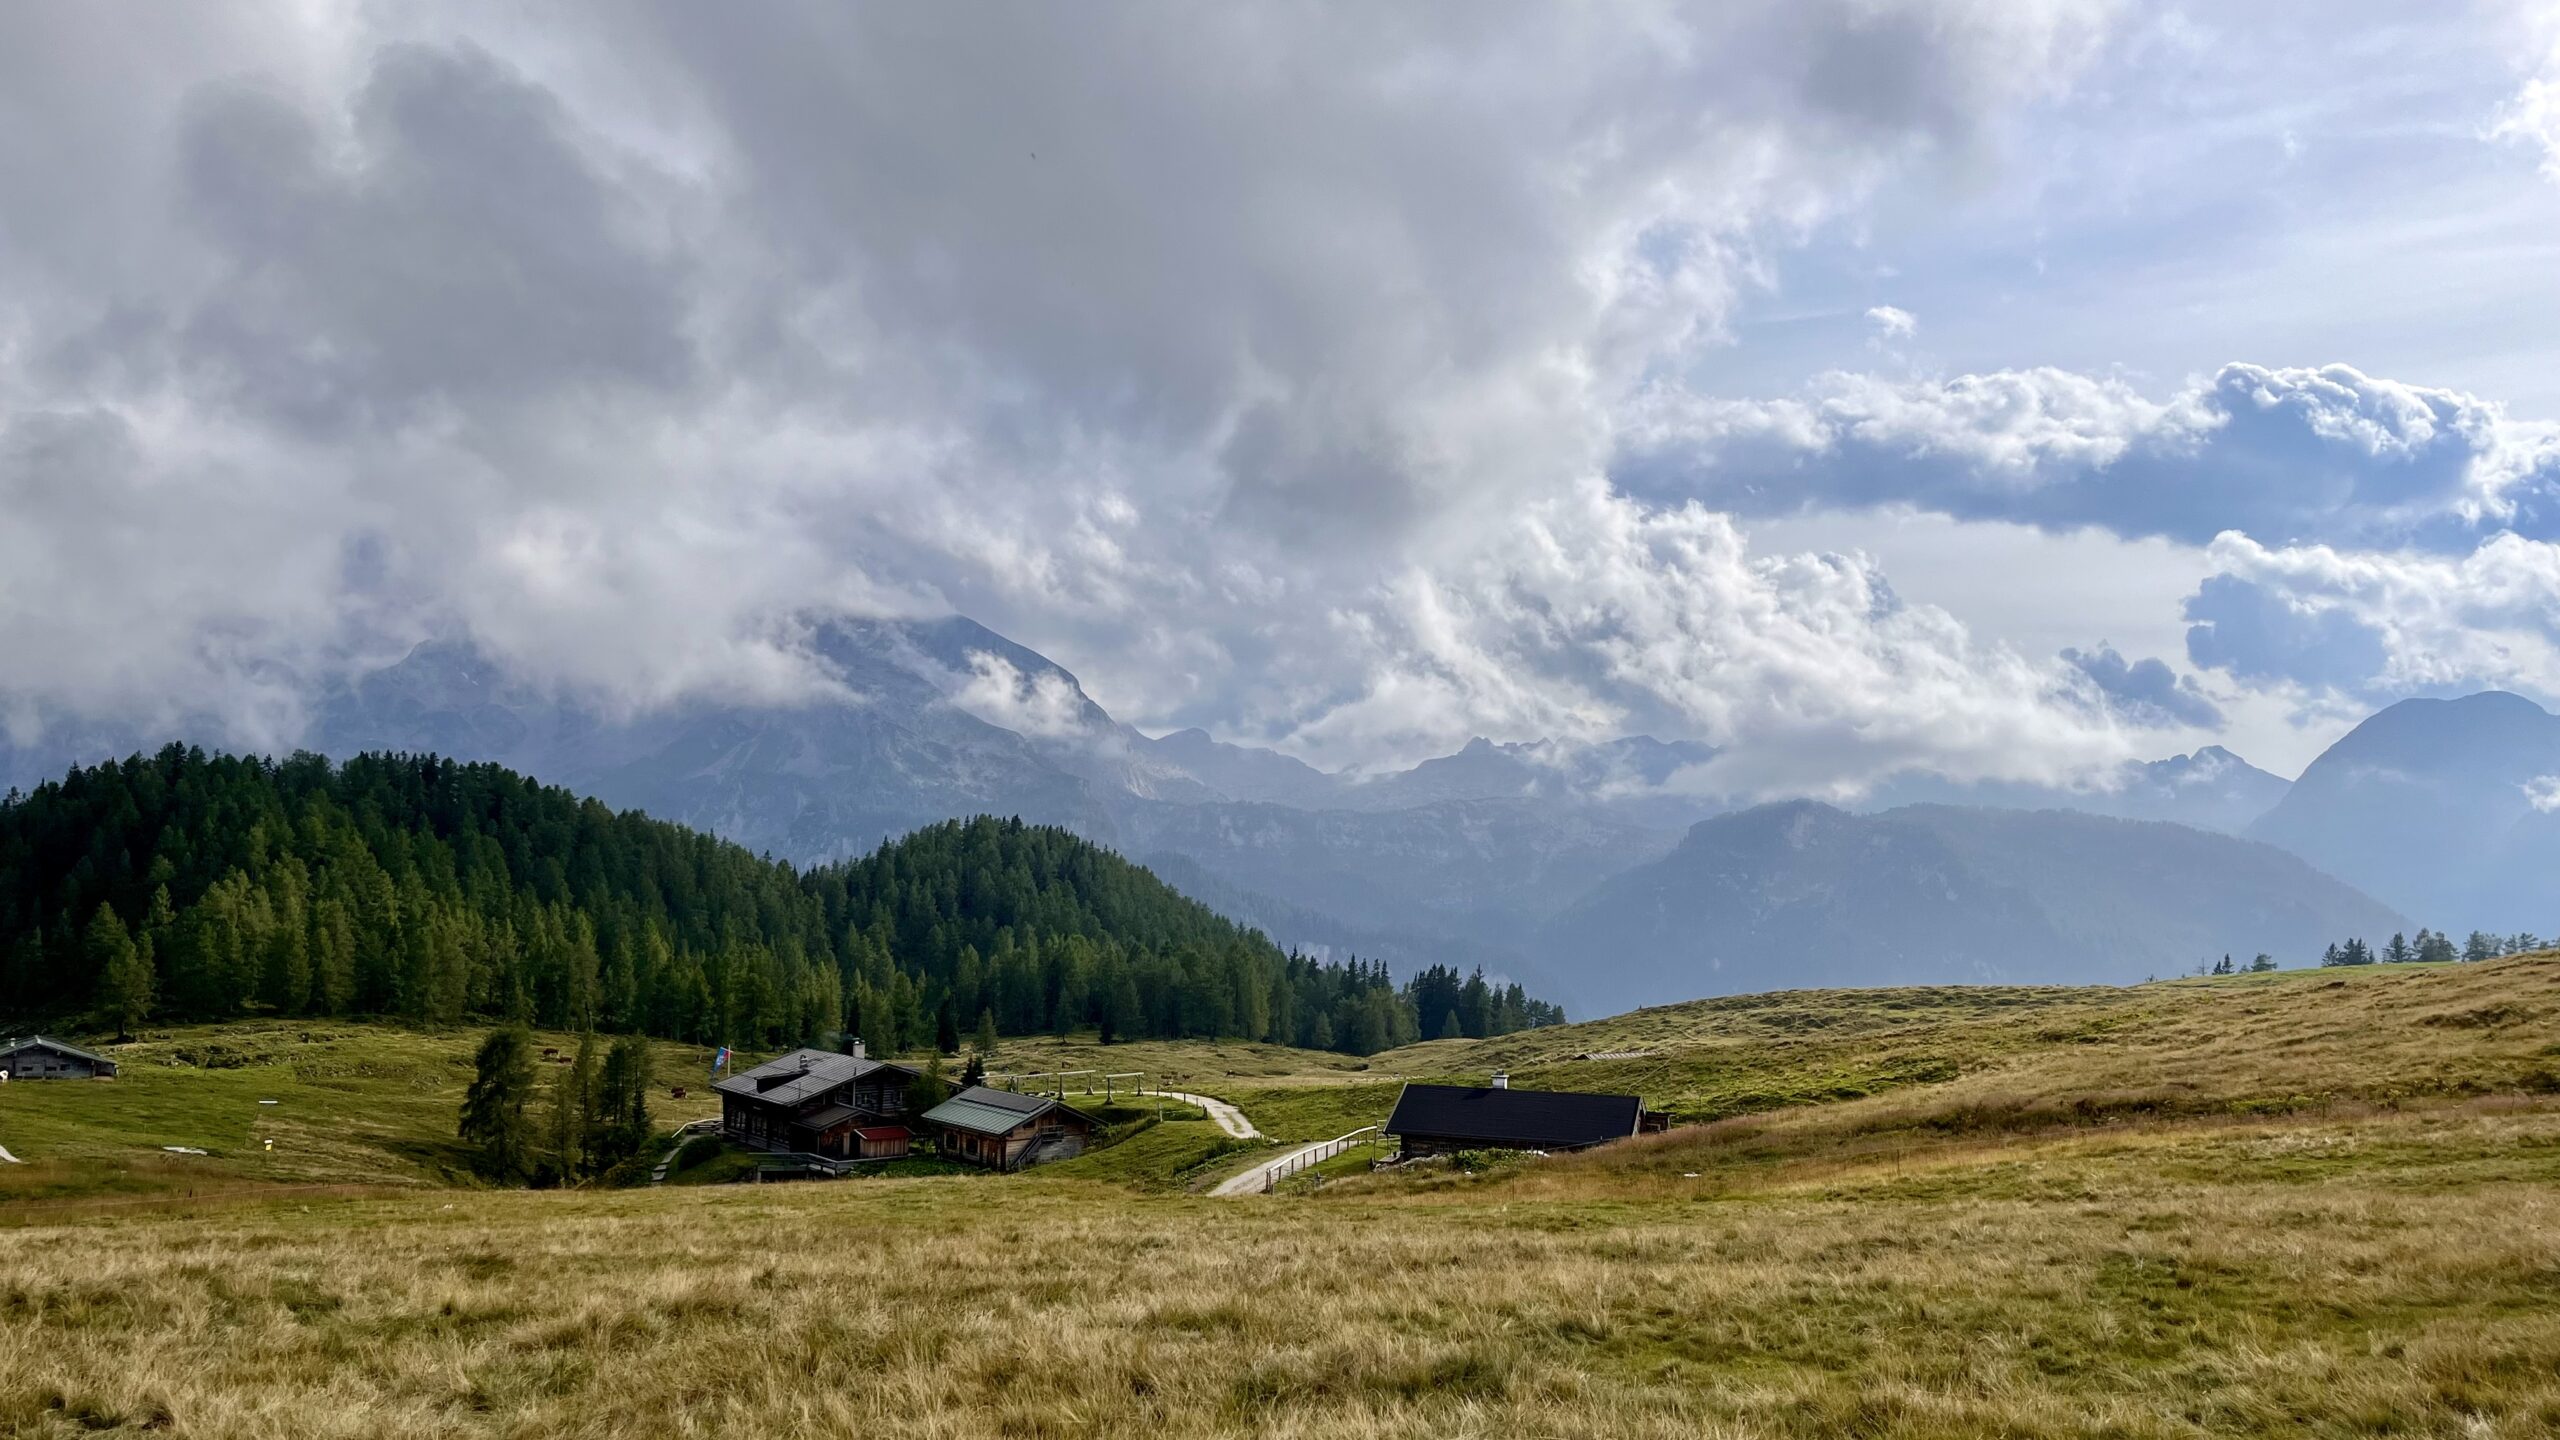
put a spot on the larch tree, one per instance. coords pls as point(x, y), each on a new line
point(493, 1118)
point(125, 981)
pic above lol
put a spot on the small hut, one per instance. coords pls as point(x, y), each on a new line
point(1005, 1131)
point(40, 1058)
point(1442, 1119)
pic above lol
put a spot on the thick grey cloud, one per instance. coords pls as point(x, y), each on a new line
point(2146, 690)
point(451, 254)
point(1262, 363)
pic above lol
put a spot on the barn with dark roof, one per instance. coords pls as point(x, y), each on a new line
point(38, 1057)
point(1443, 1119)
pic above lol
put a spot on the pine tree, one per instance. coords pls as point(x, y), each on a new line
point(2264, 963)
point(2481, 946)
point(975, 1072)
point(578, 1119)
point(985, 1041)
point(2398, 951)
point(946, 1030)
point(493, 1118)
point(931, 1088)
point(125, 982)
point(624, 1098)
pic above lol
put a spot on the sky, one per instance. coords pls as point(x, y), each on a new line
point(1999, 388)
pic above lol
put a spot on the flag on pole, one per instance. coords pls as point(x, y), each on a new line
point(720, 1059)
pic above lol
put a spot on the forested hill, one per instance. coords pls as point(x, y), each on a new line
point(184, 885)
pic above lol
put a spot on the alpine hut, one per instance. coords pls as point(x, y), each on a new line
point(39, 1058)
point(1442, 1119)
point(1006, 1131)
point(813, 1102)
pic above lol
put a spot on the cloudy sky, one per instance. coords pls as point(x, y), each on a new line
point(2001, 387)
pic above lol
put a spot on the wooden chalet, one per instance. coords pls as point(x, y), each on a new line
point(812, 1102)
point(1005, 1131)
point(40, 1058)
point(1444, 1119)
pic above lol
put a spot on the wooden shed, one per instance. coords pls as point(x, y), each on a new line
point(1442, 1119)
point(1005, 1131)
point(883, 1142)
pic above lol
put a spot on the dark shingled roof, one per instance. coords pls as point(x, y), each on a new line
point(1513, 1119)
point(801, 1075)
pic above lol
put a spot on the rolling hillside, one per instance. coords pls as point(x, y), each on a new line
point(193, 887)
point(2313, 1203)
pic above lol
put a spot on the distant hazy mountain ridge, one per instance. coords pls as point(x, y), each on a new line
point(1802, 894)
point(1547, 860)
point(2443, 807)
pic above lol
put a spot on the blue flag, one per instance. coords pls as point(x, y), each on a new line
point(720, 1059)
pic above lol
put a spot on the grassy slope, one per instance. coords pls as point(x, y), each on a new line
point(371, 1105)
point(2259, 1207)
point(356, 1105)
point(2284, 1040)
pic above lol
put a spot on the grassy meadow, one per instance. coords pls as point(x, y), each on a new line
point(2316, 1203)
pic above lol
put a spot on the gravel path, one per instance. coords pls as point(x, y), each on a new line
point(1228, 1117)
point(1254, 1181)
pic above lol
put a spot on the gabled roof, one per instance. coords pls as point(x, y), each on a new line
point(986, 1111)
point(884, 1132)
point(800, 1076)
point(1514, 1119)
point(59, 1048)
point(828, 1118)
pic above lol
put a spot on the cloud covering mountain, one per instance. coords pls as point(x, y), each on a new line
point(1345, 381)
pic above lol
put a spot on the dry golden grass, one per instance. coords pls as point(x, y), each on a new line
point(2186, 1210)
point(2191, 1281)
point(1985, 1056)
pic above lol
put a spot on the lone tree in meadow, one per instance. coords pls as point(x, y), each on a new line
point(124, 971)
point(493, 1119)
point(624, 1100)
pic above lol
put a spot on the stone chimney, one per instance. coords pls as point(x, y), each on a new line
point(1501, 1079)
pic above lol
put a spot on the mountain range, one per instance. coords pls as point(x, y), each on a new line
point(1591, 871)
point(1801, 894)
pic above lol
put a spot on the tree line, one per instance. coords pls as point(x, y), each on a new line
point(190, 886)
point(2431, 948)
